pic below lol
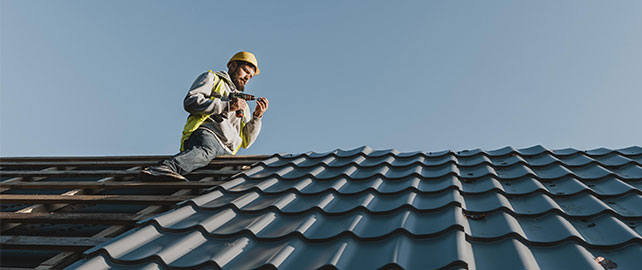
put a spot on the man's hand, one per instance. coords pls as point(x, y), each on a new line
point(237, 104)
point(261, 107)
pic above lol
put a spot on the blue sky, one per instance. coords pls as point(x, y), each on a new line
point(108, 77)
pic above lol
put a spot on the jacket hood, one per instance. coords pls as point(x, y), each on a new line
point(226, 77)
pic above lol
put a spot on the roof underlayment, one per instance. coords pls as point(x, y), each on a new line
point(530, 208)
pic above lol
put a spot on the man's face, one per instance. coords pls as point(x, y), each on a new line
point(241, 73)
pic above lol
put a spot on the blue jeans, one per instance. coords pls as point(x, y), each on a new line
point(201, 147)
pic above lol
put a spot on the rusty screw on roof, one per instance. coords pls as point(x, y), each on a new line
point(606, 263)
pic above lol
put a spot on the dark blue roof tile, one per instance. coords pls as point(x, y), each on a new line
point(502, 151)
point(552, 171)
point(565, 186)
point(631, 151)
point(590, 171)
point(579, 159)
point(565, 151)
point(631, 171)
point(532, 151)
point(542, 159)
point(513, 172)
point(530, 208)
point(599, 151)
point(439, 153)
point(472, 160)
point(469, 153)
point(523, 185)
point(610, 186)
point(505, 161)
point(614, 159)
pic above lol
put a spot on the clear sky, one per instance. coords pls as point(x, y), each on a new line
point(109, 77)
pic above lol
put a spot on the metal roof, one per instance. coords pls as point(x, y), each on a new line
point(531, 208)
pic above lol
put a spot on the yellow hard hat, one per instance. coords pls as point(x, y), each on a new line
point(245, 57)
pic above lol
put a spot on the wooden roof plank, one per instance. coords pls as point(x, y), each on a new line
point(77, 173)
point(107, 163)
point(94, 199)
point(107, 185)
point(127, 158)
point(70, 218)
point(49, 243)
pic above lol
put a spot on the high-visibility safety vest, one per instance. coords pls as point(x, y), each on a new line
point(195, 121)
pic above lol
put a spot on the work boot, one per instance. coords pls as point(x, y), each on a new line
point(161, 173)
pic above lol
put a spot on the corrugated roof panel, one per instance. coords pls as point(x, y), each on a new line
point(517, 209)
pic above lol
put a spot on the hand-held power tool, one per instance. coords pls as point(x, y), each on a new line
point(235, 95)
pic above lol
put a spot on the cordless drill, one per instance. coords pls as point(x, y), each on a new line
point(233, 96)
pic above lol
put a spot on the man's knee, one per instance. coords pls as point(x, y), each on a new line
point(208, 152)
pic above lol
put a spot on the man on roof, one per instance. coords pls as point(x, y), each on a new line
point(218, 123)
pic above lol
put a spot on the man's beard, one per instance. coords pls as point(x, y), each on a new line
point(239, 86)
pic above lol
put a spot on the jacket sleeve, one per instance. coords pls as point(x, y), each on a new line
point(198, 101)
point(251, 131)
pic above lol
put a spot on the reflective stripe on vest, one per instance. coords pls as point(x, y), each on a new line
point(195, 121)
